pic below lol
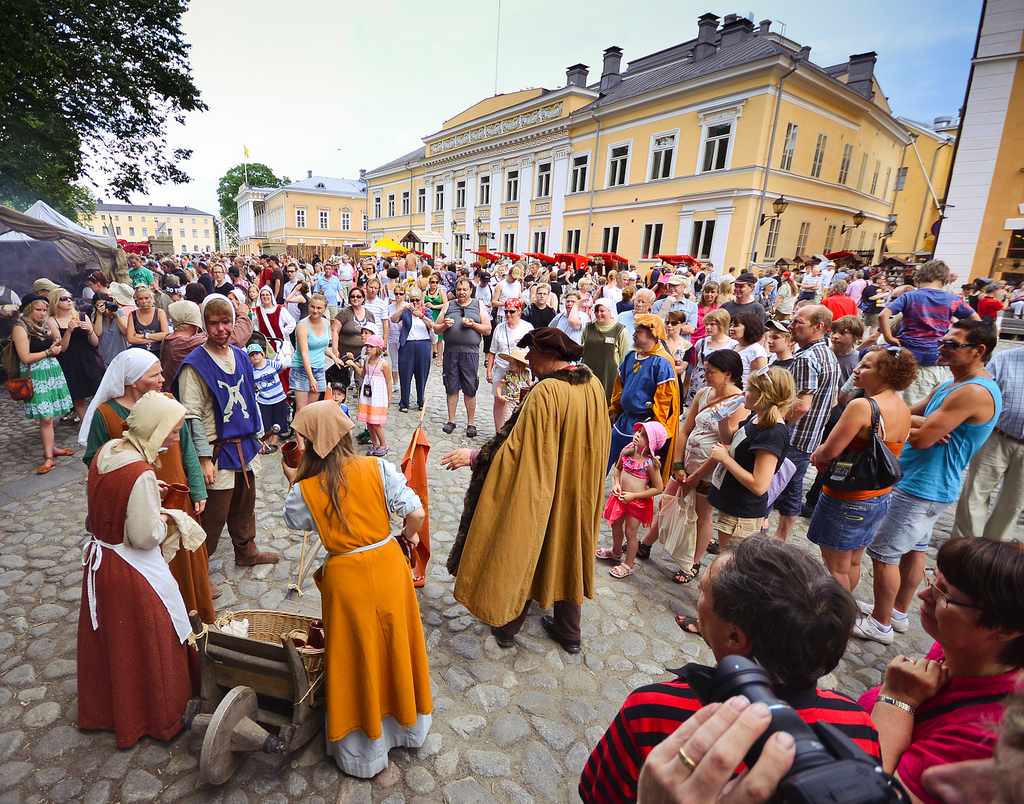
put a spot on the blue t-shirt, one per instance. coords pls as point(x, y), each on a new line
point(927, 315)
point(269, 390)
point(329, 286)
point(936, 473)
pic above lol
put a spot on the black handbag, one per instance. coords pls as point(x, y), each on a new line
point(869, 469)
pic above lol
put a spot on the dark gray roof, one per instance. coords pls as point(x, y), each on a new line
point(412, 156)
point(637, 80)
point(155, 208)
point(837, 69)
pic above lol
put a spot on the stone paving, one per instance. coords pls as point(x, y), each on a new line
point(513, 725)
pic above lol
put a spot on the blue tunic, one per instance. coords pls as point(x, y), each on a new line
point(640, 380)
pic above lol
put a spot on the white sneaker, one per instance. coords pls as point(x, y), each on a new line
point(899, 626)
point(865, 628)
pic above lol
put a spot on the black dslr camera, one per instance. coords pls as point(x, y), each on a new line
point(828, 766)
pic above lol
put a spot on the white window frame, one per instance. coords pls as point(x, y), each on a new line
point(460, 194)
point(771, 245)
point(438, 197)
point(703, 238)
point(405, 202)
point(391, 205)
point(874, 177)
point(572, 240)
point(512, 185)
point(131, 229)
point(540, 241)
point(863, 171)
point(901, 178)
point(653, 149)
point(421, 200)
point(802, 237)
point(575, 171)
point(707, 122)
point(483, 193)
point(324, 218)
point(610, 238)
point(819, 155)
point(300, 219)
point(628, 144)
point(789, 146)
point(545, 176)
point(844, 165)
point(376, 206)
point(652, 232)
point(346, 221)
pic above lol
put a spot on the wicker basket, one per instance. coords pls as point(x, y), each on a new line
point(273, 627)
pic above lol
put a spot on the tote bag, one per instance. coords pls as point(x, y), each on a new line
point(677, 529)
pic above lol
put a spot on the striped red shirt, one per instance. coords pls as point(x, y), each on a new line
point(649, 714)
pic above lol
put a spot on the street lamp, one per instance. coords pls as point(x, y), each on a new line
point(778, 207)
point(858, 219)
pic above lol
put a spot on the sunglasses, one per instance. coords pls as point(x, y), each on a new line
point(65, 299)
point(949, 344)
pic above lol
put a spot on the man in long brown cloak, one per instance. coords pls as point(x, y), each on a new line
point(532, 514)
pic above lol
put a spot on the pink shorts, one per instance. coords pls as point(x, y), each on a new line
point(642, 510)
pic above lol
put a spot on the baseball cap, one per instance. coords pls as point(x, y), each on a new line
point(778, 326)
point(252, 348)
point(746, 278)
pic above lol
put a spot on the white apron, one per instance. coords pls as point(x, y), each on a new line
point(150, 565)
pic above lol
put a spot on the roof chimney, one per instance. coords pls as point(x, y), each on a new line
point(707, 26)
point(860, 71)
point(610, 72)
point(764, 27)
point(309, 174)
point(576, 75)
point(736, 30)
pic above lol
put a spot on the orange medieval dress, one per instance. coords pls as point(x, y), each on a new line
point(377, 674)
point(135, 673)
point(190, 568)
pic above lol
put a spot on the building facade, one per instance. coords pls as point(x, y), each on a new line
point(191, 230)
point(318, 214)
point(684, 151)
point(983, 230)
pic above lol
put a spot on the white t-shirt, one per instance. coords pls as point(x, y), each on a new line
point(748, 355)
point(418, 331)
point(345, 272)
point(613, 292)
point(505, 339)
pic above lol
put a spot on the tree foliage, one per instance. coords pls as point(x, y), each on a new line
point(87, 89)
point(260, 175)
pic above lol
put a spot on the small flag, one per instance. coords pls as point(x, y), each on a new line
point(245, 151)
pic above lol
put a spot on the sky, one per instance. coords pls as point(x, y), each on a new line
point(333, 87)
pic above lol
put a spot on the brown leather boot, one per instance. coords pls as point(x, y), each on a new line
point(249, 556)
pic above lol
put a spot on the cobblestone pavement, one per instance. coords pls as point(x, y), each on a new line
point(512, 725)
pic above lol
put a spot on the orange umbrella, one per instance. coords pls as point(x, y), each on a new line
point(414, 467)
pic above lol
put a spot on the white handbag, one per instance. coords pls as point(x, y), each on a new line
point(677, 528)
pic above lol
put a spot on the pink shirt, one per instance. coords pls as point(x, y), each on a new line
point(957, 724)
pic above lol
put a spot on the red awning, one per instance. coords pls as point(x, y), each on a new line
point(141, 247)
point(487, 255)
point(608, 256)
point(544, 258)
point(576, 259)
point(677, 259)
point(422, 254)
point(835, 255)
point(510, 254)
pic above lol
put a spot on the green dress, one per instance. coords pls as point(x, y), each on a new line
point(98, 436)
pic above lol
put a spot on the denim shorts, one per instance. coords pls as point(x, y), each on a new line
point(907, 526)
point(300, 382)
point(790, 501)
point(846, 524)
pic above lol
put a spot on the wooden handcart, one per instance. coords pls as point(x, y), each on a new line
point(258, 693)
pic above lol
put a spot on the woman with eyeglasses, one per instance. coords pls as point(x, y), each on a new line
point(347, 334)
point(844, 522)
point(943, 708)
point(79, 359)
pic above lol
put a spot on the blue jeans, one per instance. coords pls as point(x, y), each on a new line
point(413, 361)
point(907, 527)
point(846, 524)
point(790, 499)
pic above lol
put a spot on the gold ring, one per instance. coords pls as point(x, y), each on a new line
point(686, 760)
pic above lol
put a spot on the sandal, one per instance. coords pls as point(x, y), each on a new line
point(448, 427)
point(606, 554)
point(46, 467)
point(621, 571)
point(714, 547)
point(644, 550)
point(685, 576)
point(62, 452)
point(690, 625)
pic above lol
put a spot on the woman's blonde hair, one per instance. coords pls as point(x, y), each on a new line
point(317, 297)
point(776, 393)
point(53, 296)
point(718, 316)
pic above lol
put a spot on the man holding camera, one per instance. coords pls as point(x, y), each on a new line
point(797, 633)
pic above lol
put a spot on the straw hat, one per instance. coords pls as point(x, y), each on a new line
point(516, 353)
point(121, 293)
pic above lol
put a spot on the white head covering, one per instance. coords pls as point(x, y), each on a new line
point(150, 422)
point(125, 369)
point(239, 294)
point(210, 297)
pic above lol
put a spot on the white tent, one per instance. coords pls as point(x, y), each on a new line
point(41, 242)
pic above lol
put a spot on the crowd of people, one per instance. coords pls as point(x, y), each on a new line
point(707, 395)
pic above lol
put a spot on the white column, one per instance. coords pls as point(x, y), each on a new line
point(449, 202)
point(525, 196)
point(496, 190)
point(685, 235)
point(471, 207)
point(560, 181)
point(721, 239)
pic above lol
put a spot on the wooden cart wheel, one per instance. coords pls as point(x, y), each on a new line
point(233, 730)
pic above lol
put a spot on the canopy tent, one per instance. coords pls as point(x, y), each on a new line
point(420, 237)
point(608, 256)
point(41, 242)
point(423, 254)
point(576, 259)
point(677, 259)
point(487, 255)
point(384, 246)
point(510, 254)
point(542, 258)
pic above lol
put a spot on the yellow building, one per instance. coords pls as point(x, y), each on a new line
point(983, 230)
point(921, 185)
point(318, 214)
point(684, 151)
point(191, 229)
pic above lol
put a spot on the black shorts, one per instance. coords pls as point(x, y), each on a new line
point(461, 372)
point(280, 413)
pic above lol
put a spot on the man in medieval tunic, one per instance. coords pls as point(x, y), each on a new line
point(532, 512)
point(216, 387)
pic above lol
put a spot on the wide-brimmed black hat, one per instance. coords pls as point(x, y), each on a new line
point(552, 341)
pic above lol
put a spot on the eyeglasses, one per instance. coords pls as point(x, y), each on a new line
point(945, 343)
point(930, 578)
